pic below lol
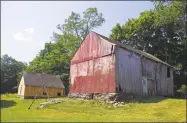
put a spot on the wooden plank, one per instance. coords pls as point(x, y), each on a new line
point(129, 71)
point(31, 91)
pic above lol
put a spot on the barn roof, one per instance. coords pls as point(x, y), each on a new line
point(37, 79)
point(147, 55)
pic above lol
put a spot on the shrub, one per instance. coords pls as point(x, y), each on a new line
point(183, 90)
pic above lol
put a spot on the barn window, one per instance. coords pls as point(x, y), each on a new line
point(168, 72)
point(58, 94)
point(44, 93)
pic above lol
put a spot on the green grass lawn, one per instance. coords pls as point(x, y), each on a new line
point(152, 109)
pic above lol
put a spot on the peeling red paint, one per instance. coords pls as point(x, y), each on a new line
point(95, 77)
point(93, 67)
point(92, 47)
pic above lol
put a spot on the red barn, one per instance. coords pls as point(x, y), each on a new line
point(101, 65)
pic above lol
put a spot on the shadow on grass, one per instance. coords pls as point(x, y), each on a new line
point(154, 99)
point(7, 103)
point(124, 97)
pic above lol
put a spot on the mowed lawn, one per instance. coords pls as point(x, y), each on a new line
point(152, 109)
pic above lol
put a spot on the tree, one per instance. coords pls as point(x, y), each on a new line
point(80, 27)
point(11, 68)
point(55, 57)
point(91, 19)
point(176, 14)
point(183, 90)
point(159, 32)
point(118, 33)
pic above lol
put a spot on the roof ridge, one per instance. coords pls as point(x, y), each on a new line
point(40, 73)
point(146, 54)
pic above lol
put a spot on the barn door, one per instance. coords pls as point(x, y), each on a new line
point(144, 85)
point(150, 87)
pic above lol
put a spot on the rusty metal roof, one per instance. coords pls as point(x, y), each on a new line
point(139, 52)
point(34, 79)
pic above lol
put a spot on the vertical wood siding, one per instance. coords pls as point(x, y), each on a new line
point(32, 90)
point(92, 47)
point(94, 76)
point(92, 68)
point(165, 83)
point(130, 68)
point(128, 72)
point(149, 70)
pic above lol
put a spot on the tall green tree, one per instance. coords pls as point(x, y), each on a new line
point(160, 32)
point(81, 26)
point(55, 57)
point(11, 68)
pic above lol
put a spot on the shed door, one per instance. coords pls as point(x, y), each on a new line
point(144, 85)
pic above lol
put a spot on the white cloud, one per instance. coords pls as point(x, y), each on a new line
point(29, 30)
point(42, 43)
point(24, 36)
point(20, 37)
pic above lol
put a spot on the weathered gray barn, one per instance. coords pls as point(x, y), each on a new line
point(101, 65)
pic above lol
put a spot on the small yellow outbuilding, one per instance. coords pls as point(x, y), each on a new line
point(32, 83)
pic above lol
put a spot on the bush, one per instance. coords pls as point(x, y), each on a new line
point(183, 90)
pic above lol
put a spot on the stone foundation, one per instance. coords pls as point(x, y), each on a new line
point(49, 103)
point(82, 96)
point(116, 97)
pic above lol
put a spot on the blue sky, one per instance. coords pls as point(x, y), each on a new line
point(27, 25)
